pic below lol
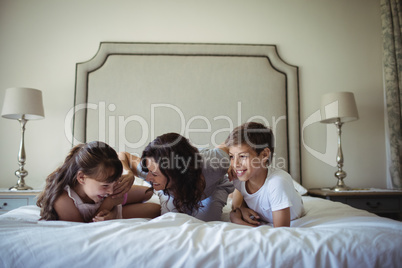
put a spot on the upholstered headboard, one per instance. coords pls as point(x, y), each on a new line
point(129, 93)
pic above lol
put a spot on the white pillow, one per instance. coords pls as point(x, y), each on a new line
point(141, 182)
point(299, 188)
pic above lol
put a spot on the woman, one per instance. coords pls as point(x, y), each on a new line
point(187, 180)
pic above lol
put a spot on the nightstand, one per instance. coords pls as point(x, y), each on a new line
point(386, 203)
point(10, 200)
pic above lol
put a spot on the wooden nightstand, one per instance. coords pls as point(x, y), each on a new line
point(10, 200)
point(381, 202)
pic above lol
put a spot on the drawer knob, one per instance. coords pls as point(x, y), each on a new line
point(370, 205)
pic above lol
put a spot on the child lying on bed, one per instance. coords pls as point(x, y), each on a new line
point(262, 192)
point(75, 191)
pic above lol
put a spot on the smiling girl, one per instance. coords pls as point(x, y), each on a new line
point(75, 191)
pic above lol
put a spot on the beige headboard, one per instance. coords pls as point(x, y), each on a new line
point(129, 93)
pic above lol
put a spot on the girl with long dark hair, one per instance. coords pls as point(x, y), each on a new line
point(75, 190)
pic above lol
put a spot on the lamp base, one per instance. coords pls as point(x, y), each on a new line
point(340, 186)
point(20, 187)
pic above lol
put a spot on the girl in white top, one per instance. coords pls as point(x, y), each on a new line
point(262, 193)
point(87, 210)
point(75, 191)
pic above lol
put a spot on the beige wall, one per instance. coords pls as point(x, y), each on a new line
point(336, 44)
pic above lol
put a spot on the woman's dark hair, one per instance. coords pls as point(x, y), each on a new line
point(95, 159)
point(180, 163)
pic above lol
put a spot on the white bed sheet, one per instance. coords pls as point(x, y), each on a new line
point(331, 234)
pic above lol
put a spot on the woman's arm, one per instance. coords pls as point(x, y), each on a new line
point(123, 185)
point(223, 147)
point(125, 182)
point(66, 209)
point(129, 162)
point(136, 195)
point(105, 215)
point(281, 217)
point(136, 208)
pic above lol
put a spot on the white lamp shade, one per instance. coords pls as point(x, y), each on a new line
point(340, 105)
point(19, 102)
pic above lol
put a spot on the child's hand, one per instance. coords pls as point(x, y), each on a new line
point(232, 174)
point(235, 217)
point(250, 216)
point(104, 215)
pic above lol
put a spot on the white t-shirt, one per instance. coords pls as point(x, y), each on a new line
point(277, 193)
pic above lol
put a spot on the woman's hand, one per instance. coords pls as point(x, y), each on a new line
point(123, 185)
point(125, 182)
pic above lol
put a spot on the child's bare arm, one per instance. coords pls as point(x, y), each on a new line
point(108, 204)
point(247, 215)
point(66, 209)
point(136, 194)
point(281, 217)
point(236, 217)
point(237, 200)
point(105, 215)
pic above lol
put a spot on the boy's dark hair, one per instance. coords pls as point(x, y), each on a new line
point(253, 134)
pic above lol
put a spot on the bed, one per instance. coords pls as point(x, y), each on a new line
point(129, 93)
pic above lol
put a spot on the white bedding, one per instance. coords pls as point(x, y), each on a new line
point(331, 234)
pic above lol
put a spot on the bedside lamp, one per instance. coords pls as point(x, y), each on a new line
point(22, 104)
point(338, 108)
